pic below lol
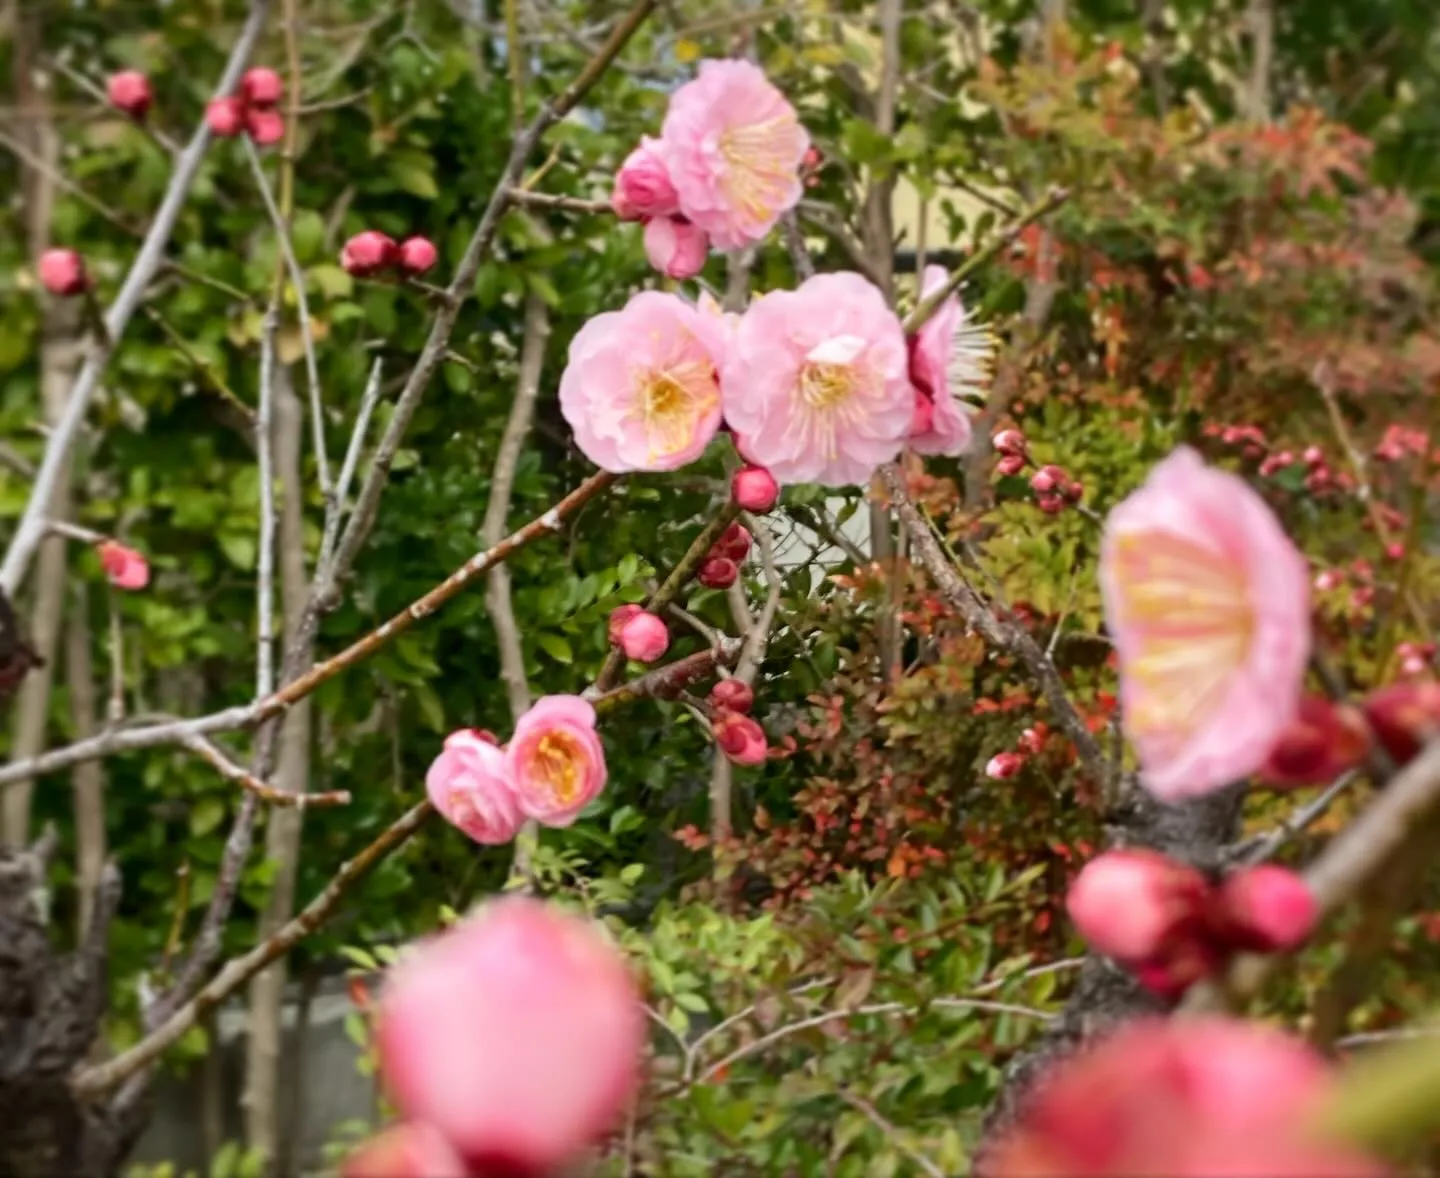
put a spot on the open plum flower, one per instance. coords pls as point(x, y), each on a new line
point(641, 389)
point(469, 785)
point(817, 382)
point(950, 356)
point(555, 761)
point(733, 146)
point(1208, 604)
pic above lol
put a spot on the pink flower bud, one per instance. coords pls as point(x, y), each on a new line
point(265, 127)
point(1264, 909)
point(618, 618)
point(367, 253)
point(1180, 964)
point(1314, 456)
point(1414, 664)
point(470, 787)
point(1328, 579)
point(1011, 464)
point(1395, 551)
point(261, 87)
point(732, 695)
point(1003, 765)
point(1320, 743)
point(1042, 482)
point(644, 638)
point(811, 160)
point(129, 91)
point(62, 272)
point(1009, 441)
point(1130, 904)
point(1032, 740)
point(734, 543)
point(125, 567)
point(1050, 504)
point(517, 1034)
point(675, 247)
point(1318, 480)
point(225, 117)
point(739, 737)
point(754, 489)
point(1402, 716)
point(417, 255)
point(718, 572)
point(642, 186)
point(405, 1151)
point(1074, 491)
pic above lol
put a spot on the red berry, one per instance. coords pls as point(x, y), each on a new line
point(129, 90)
point(417, 254)
point(718, 572)
point(754, 489)
point(62, 272)
point(225, 117)
point(261, 87)
point(264, 126)
point(732, 695)
point(367, 252)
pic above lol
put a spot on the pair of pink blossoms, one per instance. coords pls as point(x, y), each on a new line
point(818, 384)
point(725, 168)
point(553, 767)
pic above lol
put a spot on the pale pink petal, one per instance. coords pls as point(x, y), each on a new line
point(555, 760)
point(950, 357)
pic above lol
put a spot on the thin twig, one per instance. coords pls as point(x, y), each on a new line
point(336, 507)
point(31, 527)
point(558, 202)
point(1266, 846)
point(872, 1114)
point(248, 781)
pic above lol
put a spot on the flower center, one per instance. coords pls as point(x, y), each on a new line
point(758, 169)
point(824, 386)
point(672, 401)
point(556, 764)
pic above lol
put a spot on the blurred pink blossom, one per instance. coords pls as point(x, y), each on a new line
point(733, 145)
point(470, 786)
point(555, 760)
point(125, 567)
point(407, 1150)
point(950, 357)
point(1266, 909)
point(739, 737)
point(644, 638)
point(1130, 903)
point(816, 384)
point(641, 389)
point(1208, 604)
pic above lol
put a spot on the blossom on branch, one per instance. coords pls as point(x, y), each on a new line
point(555, 760)
point(517, 1035)
point(733, 146)
point(642, 185)
point(641, 389)
point(950, 358)
point(816, 383)
point(470, 786)
point(125, 567)
point(1208, 604)
point(676, 247)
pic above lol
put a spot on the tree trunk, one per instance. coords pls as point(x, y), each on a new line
point(292, 773)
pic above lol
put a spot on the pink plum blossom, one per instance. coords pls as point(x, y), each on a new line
point(733, 146)
point(816, 382)
point(469, 784)
point(125, 567)
point(265, 127)
point(261, 86)
point(641, 389)
point(644, 638)
point(225, 116)
point(1197, 1098)
point(1266, 909)
point(739, 737)
point(416, 255)
point(1130, 903)
point(407, 1150)
point(642, 185)
point(949, 358)
point(129, 91)
point(732, 695)
point(62, 272)
point(517, 1034)
point(676, 247)
point(1208, 604)
point(555, 760)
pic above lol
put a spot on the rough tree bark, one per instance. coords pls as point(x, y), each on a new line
point(292, 774)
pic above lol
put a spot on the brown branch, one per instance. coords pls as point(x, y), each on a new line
point(558, 202)
point(1006, 635)
point(252, 784)
point(668, 681)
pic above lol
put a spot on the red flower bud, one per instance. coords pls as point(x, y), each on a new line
point(644, 638)
point(225, 117)
point(1042, 482)
point(368, 252)
point(732, 695)
point(261, 87)
point(62, 272)
point(265, 127)
point(1138, 906)
point(739, 738)
point(1264, 909)
point(417, 255)
point(1402, 717)
point(618, 618)
point(1074, 491)
point(718, 572)
point(734, 543)
point(1321, 742)
point(754, 489)
point(1011, 464)
point(1003, 765)
point(129, 91)
point(1009, 441)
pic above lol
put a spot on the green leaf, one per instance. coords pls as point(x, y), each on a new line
point(239, 549)
point(205, 816)
point(557, 648)
point(414, 177)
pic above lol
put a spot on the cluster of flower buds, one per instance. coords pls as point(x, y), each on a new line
point(674, 244)
point(129, 91)
point(1358, 576)
point(1170, 926)
point(1031, 744)
point(1399, 442)
point(62, 272)
point(721, 566)
point(810, 164)
point(371, 252)
point(1010, 444)
point(251, 109)
point(736, 733)
point(1253, 446)
point(1415, 657)
point(754, 489)
point(1054, 489)
point(640, 634)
